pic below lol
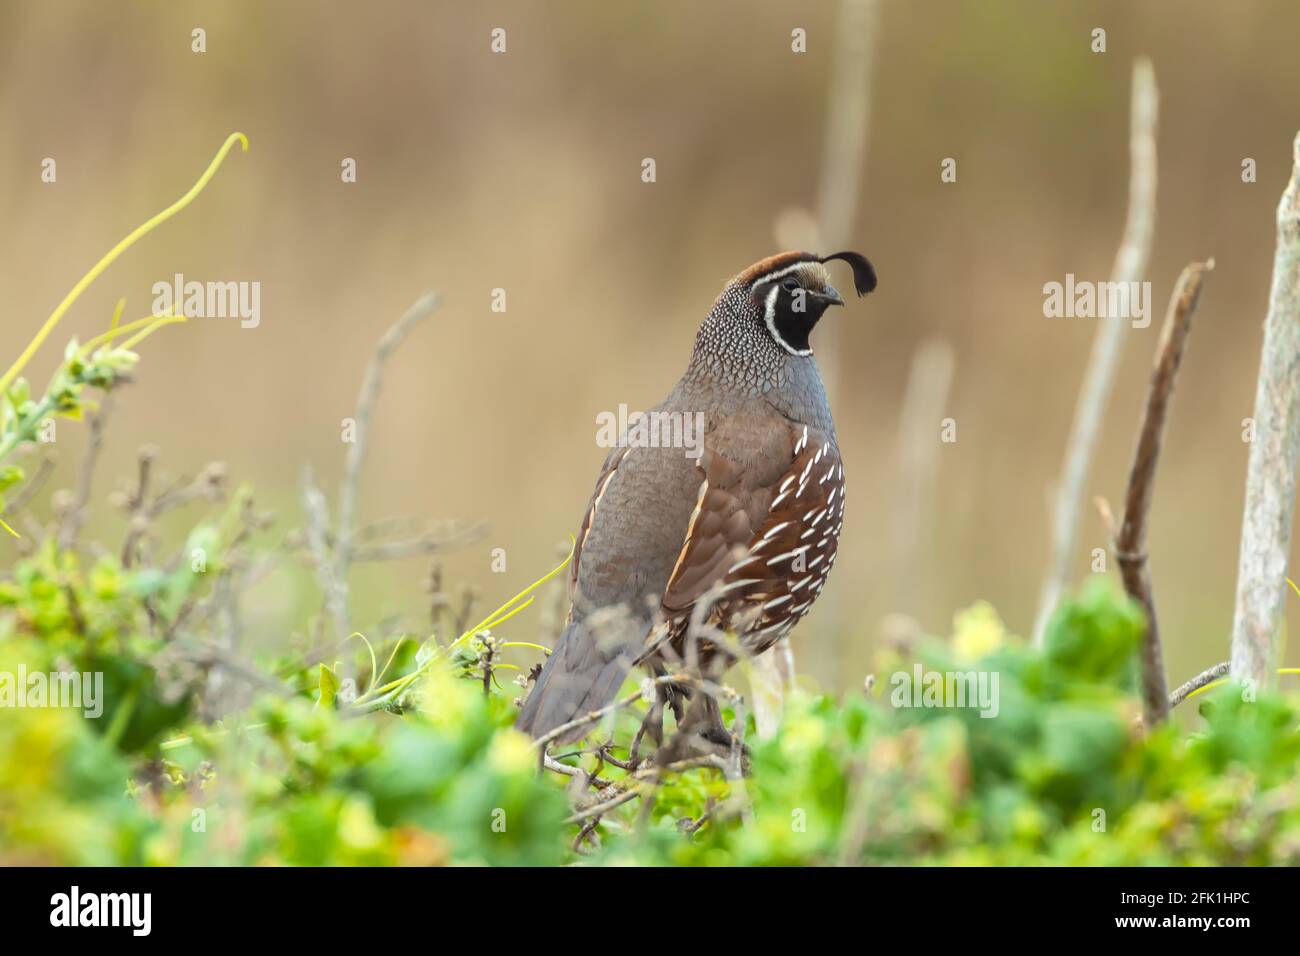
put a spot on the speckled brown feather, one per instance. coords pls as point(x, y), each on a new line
point(765, 535)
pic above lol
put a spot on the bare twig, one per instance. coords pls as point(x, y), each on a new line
point(767, 686)
point(1130, 266)
point(688, 826)
point(71, 523)
point(592, 717)
point(210, 655)
point(388, 527)
point(137, 504)
point(632, 699)
point(448, 617)
point(1183, 691)
point(487, 658)
point(600, 809)
point(356, 457)
point(738, 798)
point(645, 781)
point(586, 779)
point(317, 513)
point(208, 485)
point(1130, 542)
point(439, 541)
point(30, 488)
point(924, 401)
point(584, 834)
point(1271, 472)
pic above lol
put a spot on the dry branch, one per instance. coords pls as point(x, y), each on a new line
point(1130, 265)
point(317, 513)
point(646, 781)
point(72, 520)
point(767, 686)
point(926, 396)
point(365, 411)
point(1183, 691)
point(594, 716)
point(1271, 472)
point(31, 487)
point(1130, 542)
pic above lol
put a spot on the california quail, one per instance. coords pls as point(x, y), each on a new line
point(743, 534)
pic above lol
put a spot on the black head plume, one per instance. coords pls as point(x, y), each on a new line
point(864, 273)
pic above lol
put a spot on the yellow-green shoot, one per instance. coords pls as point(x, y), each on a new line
point(102, 362)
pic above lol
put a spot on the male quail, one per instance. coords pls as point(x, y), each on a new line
point(743, 535)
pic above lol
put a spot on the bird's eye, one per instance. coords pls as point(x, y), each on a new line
point(789, 283)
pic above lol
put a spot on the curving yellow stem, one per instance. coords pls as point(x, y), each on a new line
point(140, 231)
point(509, 609)
point(148, 323)
point(157, 323)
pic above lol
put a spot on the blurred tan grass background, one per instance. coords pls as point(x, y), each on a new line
point(522, 171)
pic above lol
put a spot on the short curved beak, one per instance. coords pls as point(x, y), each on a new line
point(830, 296)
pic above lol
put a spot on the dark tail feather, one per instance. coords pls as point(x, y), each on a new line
point(579, 677)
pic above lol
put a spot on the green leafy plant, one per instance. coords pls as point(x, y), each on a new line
point(1063, 773)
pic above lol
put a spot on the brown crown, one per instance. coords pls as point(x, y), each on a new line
point(771, 264)
point(864, 273)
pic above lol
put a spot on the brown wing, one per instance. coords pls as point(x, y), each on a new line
point(607, 471)
point(765, 529)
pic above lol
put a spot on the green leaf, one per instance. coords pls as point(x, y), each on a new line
point(10, 475)
point(1095, 636)
point(19, 392)
point(135, 707)
point(329, 687)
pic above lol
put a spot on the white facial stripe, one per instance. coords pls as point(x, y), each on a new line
point(769, 316)
point(771, 276)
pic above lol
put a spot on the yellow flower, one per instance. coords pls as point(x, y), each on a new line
point(977, 632)
point(512, 752)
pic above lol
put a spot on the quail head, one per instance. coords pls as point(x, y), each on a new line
point(738, 537)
